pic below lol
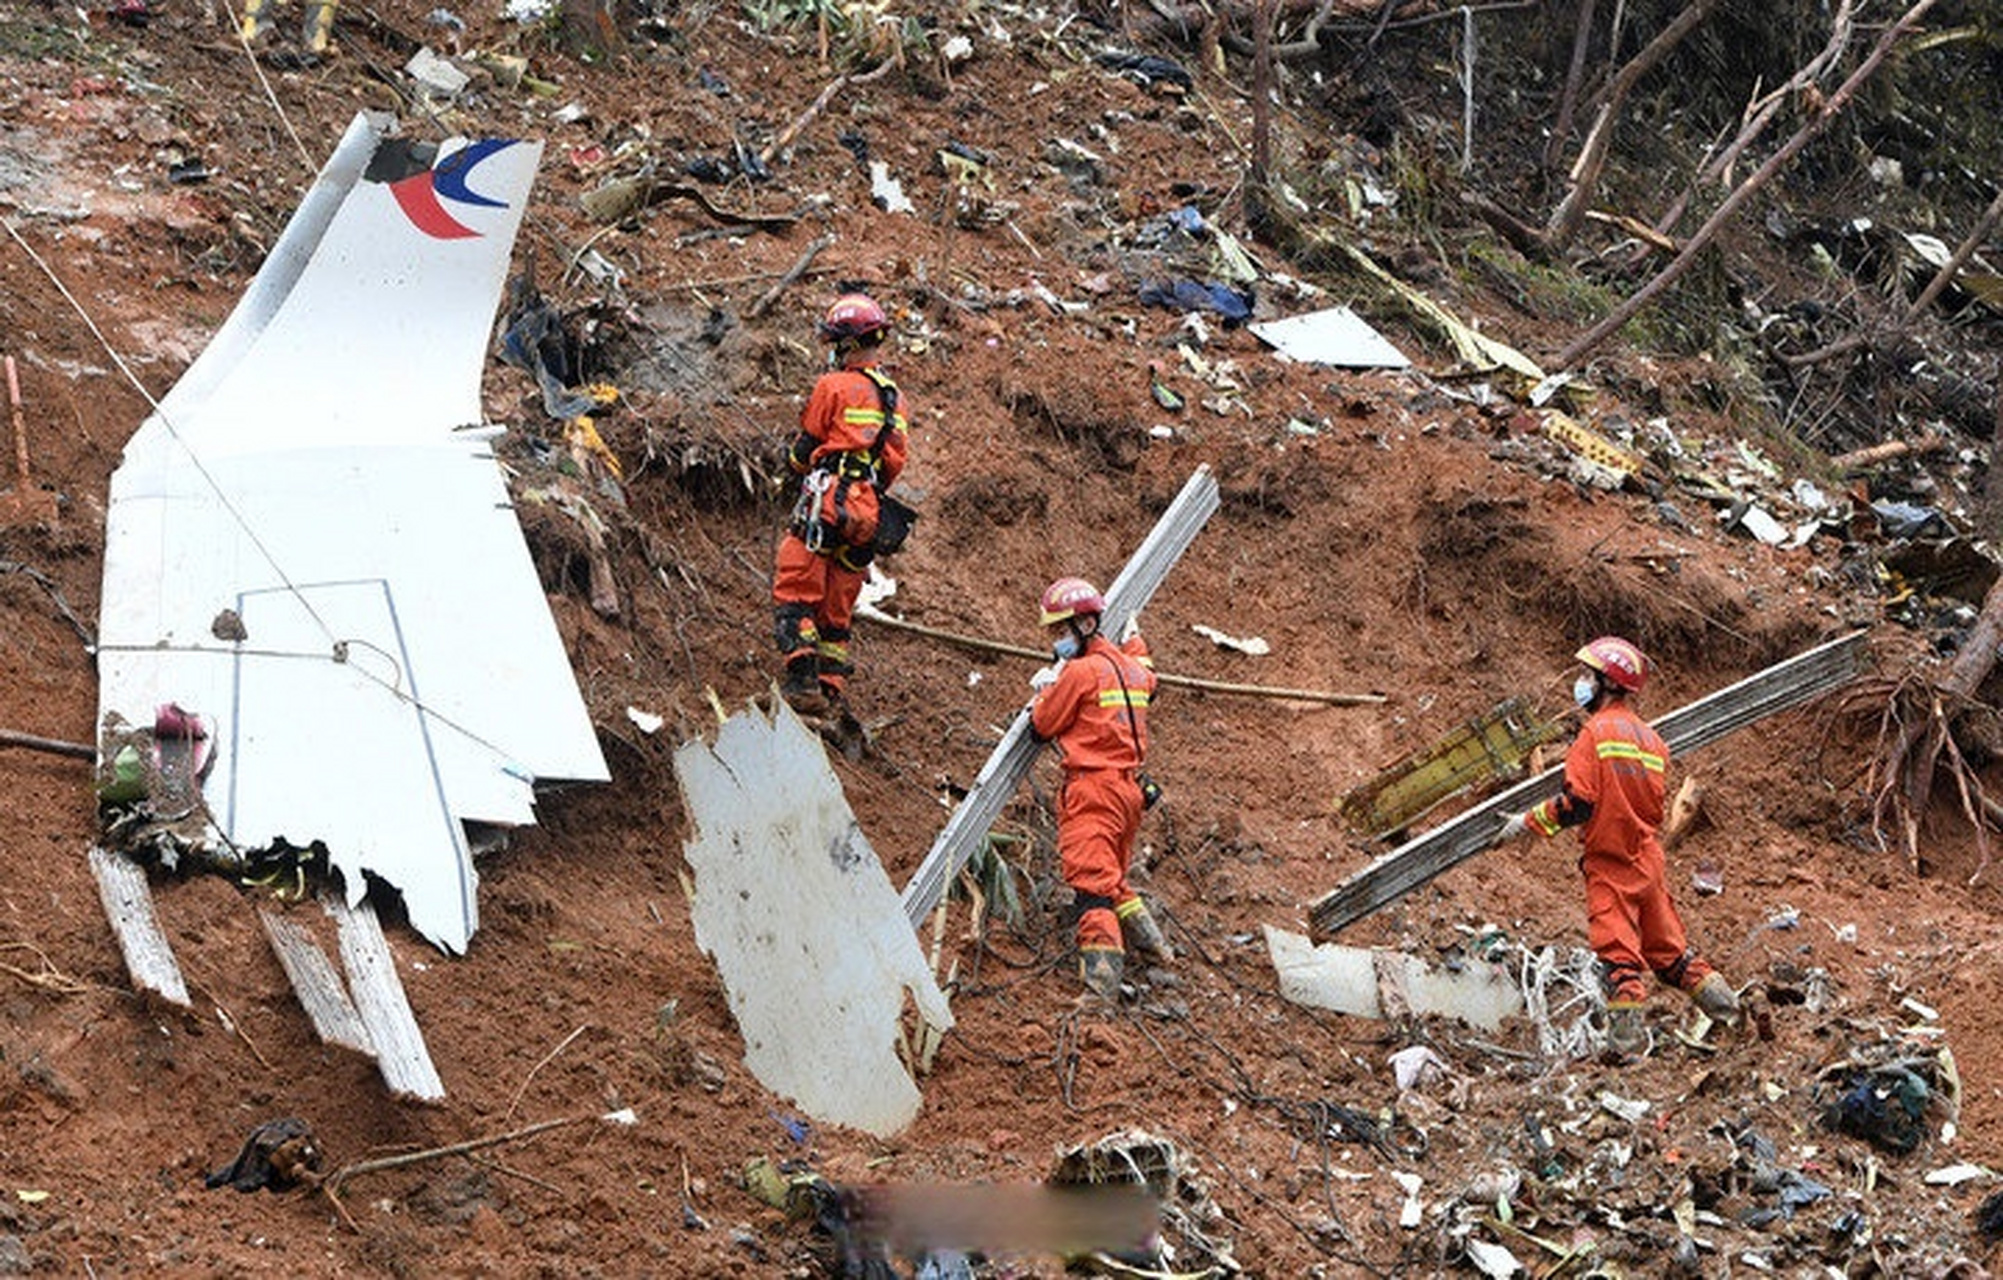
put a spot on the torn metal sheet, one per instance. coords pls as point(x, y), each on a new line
point(1336, 336)
point(128, 904)
point(321, 477)
point(1496, 744)
point(1373, 983)
point(807, 932)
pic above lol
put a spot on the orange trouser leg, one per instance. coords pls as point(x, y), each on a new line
point(799, 583)
point(1613, 923)
point(1099, 813)
point(836, 614)
point(1633, 927)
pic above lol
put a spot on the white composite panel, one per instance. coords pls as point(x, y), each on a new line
point(315, 472)
point(808, 934)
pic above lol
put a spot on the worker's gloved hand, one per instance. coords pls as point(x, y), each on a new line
point(1130, 628)
point(1044, 677)
point(1512, 826)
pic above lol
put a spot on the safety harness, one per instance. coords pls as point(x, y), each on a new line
point(841, 471)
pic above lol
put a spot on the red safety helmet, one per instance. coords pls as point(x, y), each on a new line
point(853, 316)
point(1069, 597)
point(1617, 660)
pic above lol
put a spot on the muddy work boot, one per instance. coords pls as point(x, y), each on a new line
point(1716, 998)
point(1627, 1032)
point(1142, 933)
point(1101, 970)
point(802, 688)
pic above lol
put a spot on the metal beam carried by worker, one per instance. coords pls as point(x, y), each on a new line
point(1010, 761)
point(1778, 688)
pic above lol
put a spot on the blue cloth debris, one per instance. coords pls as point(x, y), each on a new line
point(1235, 305)
point(1886, 1107)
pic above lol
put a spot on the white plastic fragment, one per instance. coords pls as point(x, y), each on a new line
point(1628, 1109)
point(1492, 1259)
point(1956, 1174)
point(1417, 1065)
point(436, 75)
point(623, 1116)
point(1927, 1012)
point(1254, 645)
point(644, 721)
point(1413, 1212)
point(886, 190)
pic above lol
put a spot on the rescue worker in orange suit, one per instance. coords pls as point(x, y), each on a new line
point(1613, 790)
point(851, 447)
point(1093, 704)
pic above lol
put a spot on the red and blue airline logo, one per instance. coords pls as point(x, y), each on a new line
point(422, 188)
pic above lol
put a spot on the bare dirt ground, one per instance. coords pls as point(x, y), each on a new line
point(1394, 538)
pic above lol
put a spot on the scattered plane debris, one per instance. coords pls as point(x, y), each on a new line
point(403, 678)
point(1336, 336)
point(1374, 983)
point(803, 923)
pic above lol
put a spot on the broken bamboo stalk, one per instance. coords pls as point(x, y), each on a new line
point(1590, 340)
point(786, 281)
point(54, 746)
point(1182, 682)
point(20, 427)
point(1872, 455)
point(785, 136)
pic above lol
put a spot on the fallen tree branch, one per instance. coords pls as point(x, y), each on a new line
point(1760, 112)
point(793, 273)
point(1872, 455)
point(331, 1184)
point(784, 138)
point(1181, 682)
point(621, 198)
point(1941, 279)
point(1620, 315)
point(54, 746)
point(1585, 176)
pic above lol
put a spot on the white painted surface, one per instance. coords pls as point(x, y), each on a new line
point(809, 936)
point(320, 470)
point(1336, 336)
point(1357, 980)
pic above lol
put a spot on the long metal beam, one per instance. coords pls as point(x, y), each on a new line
point(1009, 763)
point(1778, 688)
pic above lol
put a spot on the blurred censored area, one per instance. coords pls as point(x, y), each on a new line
point(1004, 1218)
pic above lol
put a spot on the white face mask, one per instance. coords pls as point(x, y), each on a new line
point(1066, 646)
point(1584, 690)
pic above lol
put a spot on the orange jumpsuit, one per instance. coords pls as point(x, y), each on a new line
point(1613, 792)
point(1097, 713)
point(820, 567)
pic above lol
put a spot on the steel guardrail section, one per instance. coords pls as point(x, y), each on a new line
point(1010, 761)
point(1778, 688)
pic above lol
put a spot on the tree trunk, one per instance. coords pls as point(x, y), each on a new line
point(1571, 212)
point(1258, 188)
point(1582, 37)
point(1621, 314)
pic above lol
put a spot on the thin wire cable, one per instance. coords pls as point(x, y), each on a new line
point(337, 645)
point(168, 423)
point(243, 39)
